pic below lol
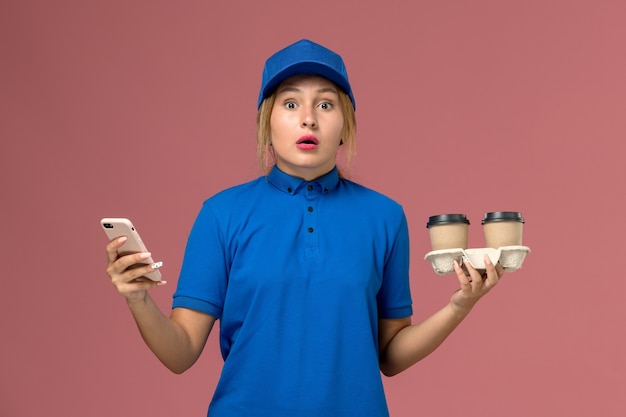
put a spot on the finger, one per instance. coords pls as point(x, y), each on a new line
point(136, 273)
point(475, 276)
point(499, 270)
point(492, 275)
point(128, 263)
point(464, 280)
point(140, 272)
point(133, 287)
point(113, 246)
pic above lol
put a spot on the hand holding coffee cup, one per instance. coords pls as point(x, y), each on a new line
point(448, 231)
point(503, 228)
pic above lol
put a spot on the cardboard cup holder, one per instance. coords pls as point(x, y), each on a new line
point(510, 257)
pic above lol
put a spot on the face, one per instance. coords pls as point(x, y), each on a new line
point(306, 125)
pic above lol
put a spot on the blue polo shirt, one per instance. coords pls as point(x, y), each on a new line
point(298, 273)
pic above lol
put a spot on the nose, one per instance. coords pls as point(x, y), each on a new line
point(308, 119)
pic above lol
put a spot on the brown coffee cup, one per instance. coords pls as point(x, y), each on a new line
point(503, 228)
point(448, 231)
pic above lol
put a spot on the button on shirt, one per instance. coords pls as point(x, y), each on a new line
point(298, 273)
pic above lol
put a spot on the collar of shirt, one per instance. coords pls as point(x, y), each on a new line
point(292, 185)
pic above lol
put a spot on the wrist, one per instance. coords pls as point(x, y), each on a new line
point(460, 309)
point(137, 299)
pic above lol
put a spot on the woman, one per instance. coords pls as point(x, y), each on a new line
point(307, 271)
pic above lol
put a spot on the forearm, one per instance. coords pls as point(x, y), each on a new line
point(407, 344)
point(413, 343)
point(165, 338)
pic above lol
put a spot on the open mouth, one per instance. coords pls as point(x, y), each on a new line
point(307, 140)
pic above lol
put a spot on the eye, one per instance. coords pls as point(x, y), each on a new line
point(326, 105)
point(290, 105)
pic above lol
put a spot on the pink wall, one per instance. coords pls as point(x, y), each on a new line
point(145, 108)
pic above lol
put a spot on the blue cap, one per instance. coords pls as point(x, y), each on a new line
point(304, 57)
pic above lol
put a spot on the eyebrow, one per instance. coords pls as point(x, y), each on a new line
point(288, 88)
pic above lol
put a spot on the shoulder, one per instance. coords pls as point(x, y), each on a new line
point(370, 206)
point(234, 201)
point(373, 198)
point(230, 207)
point(237, 193)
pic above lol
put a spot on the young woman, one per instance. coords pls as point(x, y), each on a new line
point(307, 271)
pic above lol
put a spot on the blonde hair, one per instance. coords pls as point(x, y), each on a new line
point(264, 132)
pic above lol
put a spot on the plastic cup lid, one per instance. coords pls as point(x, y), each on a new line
point(446, 219)
point(503, 216)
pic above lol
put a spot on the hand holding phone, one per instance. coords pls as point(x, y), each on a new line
point(117, 227)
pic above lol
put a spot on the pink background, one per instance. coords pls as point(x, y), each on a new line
point(143, 109)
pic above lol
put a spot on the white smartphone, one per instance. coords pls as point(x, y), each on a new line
point(116, 227)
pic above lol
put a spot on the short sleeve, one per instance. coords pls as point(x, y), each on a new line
point(394, 296)
point(204, 275)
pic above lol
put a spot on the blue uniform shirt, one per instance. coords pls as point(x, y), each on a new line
point(298, 273)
